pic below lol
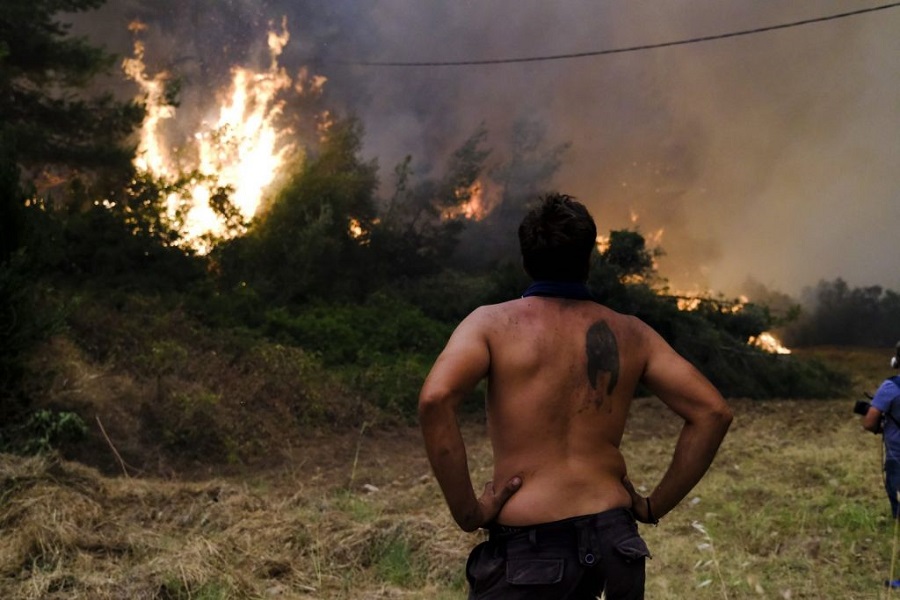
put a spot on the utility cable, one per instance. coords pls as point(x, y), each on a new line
point(720, 36)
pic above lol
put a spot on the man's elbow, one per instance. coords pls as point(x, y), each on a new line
point(721, 417)
point(433, 403)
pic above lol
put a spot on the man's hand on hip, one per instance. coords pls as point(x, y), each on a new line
point(490, 503)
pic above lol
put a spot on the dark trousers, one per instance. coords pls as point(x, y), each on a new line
point(892, 483)
point(577, 558)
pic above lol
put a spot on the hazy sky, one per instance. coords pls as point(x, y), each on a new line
point(773, 156)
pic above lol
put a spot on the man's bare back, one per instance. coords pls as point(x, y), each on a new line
point(561, 379)
point(561, 374)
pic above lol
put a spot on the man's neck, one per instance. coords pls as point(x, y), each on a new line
point(575, 290)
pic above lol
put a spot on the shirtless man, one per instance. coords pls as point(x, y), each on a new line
point(561, 372)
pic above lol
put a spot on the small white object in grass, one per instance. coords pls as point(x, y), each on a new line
point(695, 500)
point(369, 488)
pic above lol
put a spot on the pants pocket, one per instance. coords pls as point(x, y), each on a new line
point(632, 548)
point(534, 571)
point(483, 568)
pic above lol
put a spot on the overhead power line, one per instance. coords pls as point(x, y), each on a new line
point(707, 38)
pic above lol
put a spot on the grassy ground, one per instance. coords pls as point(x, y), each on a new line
point(792, 508)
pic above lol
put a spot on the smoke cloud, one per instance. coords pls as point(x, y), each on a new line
point(771, 156)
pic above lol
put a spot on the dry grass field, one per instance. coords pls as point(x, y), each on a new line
point(792, 508)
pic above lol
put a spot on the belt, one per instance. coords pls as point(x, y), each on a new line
point(581, 531)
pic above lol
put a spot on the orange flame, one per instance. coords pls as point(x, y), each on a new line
point(690, 301)
point(769, 343)
point(242, 149)
point(474, 207)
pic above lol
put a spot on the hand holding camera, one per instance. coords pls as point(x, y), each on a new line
point(861, 407)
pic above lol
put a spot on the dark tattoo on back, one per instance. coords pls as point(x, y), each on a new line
point(602, 355)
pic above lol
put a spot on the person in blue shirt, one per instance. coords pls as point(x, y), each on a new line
point(883, 417)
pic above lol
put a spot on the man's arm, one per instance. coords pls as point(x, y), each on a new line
point(706, 420)
point(872, 420)
point(463, 363)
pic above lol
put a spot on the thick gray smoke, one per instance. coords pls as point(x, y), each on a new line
point(772, 156)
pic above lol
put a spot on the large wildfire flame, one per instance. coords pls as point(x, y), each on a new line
point(242, 148)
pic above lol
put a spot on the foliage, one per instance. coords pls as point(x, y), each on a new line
point(99, 246)
point(714, 335)
point(628, 256)
point(394, 382)
point(46, 429)
point(316, 227)
point(43, 71)
point(27, 317)
point(836, 314)
point(421, 224)
point(63, 134)
point(190, 429)
point(384, 325)
point(448, 296)
point(395, 562)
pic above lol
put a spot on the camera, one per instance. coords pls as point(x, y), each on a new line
point(861, 407)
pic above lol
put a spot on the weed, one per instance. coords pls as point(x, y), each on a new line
point(46, 429)
point(394, 562)
point(355, 506)
point(714, 561)
point(177, 588)
point(356, 455)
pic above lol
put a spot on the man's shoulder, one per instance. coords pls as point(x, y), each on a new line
point(891, 385)
point(488, 310)
point(522, 310)
point(487, 314)
point(888, 391)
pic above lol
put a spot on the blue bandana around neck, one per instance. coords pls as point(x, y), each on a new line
point(574, 290)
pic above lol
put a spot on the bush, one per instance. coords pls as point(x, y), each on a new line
point(393, 382)
point(29, 314)
point(385, 325)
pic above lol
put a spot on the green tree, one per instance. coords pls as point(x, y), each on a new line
point(27, 316)
point(628, 256)
point(836, 314)
point(312, 240)
point(44, 107)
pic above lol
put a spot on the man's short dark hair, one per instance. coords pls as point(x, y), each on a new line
point(557, 238)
